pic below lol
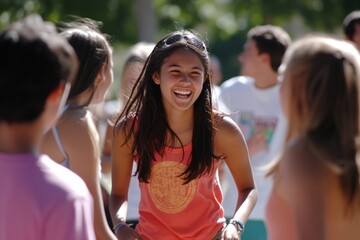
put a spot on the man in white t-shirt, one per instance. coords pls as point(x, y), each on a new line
point(253, 101)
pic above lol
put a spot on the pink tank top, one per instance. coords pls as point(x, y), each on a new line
point(171, 210)
point(280, 222)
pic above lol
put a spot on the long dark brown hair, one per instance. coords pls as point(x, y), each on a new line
point(144, 113)
point(93, 50)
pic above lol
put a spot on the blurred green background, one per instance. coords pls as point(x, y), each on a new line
point(222, 23)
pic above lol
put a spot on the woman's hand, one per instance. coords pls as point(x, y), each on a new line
point(230, 233)
point(125, 232)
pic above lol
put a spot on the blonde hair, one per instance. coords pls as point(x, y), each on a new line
point(323, 76)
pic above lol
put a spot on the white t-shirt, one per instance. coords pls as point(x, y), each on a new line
point(253, 108)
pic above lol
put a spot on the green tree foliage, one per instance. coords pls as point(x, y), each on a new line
point(11, 10)
point(117, 15)
point(223, 23)
point(218, 18)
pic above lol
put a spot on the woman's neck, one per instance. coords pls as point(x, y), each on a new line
point(82, 99)
point(183, 126)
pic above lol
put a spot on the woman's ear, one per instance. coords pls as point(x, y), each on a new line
point(101, 75)
point(156, 78)
point(266, 58)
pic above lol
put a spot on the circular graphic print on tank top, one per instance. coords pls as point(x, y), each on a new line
point(167, 190)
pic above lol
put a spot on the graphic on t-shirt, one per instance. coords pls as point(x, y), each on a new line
point(244, 121)
point(167, 190)
point(249, 124)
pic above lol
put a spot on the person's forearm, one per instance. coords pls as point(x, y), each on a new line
point(246, 203)
point(118, 209)
point(101, 227)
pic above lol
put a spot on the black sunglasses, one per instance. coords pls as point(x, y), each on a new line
point(189, 39)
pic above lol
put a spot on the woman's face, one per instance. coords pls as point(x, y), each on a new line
point(181, 79)
point(250, 59)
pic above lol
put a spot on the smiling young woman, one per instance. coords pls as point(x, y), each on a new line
point(169, 128)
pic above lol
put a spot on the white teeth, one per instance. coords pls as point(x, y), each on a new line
point(182, 92)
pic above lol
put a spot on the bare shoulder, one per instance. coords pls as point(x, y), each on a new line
point(122, 131)
point(77, 125)
point(226, 129)
point(300, 161)
point(227, 136)
point(230, 145)
point(79, 134)
point(122, 146)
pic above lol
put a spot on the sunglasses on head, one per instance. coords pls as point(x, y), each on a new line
point(189, 39)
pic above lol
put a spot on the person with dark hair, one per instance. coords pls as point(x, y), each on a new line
point(170, 129)
point(39, 199)
point(253, 101)
point(351, 27)
point(74, 142)
point(316, 192)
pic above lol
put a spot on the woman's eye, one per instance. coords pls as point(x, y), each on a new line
point(175, 72)
point(195, 74)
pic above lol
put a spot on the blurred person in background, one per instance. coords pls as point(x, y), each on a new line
point(216, 77)
point(74, 142)
point(351, 27)
point(253, 101)
point(316, 194)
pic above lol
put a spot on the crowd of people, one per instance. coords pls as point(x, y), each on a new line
point(273, 153)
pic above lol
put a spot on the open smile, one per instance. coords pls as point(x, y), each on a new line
point(182, 93)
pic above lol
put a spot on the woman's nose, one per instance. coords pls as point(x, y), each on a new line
point(185, 78)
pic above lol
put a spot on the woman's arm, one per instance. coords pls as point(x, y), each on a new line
point(106, 150)
point(230, 143)
point(122, 162)
point(82, 146)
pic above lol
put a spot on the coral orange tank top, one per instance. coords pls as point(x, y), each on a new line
point(170, 209)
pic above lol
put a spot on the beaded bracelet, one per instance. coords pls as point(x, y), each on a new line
point(238, 224)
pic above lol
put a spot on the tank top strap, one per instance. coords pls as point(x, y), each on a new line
point(60, 146)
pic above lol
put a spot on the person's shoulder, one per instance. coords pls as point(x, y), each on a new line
point(125, 128)
point(237, 81)
point(77, 125)
point(72, 119)
point(236, 84)
point(226, 127)
point(300, 158)
point(126, 122)
point(228, 136)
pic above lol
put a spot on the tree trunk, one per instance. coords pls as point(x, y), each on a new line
point(146, 20)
